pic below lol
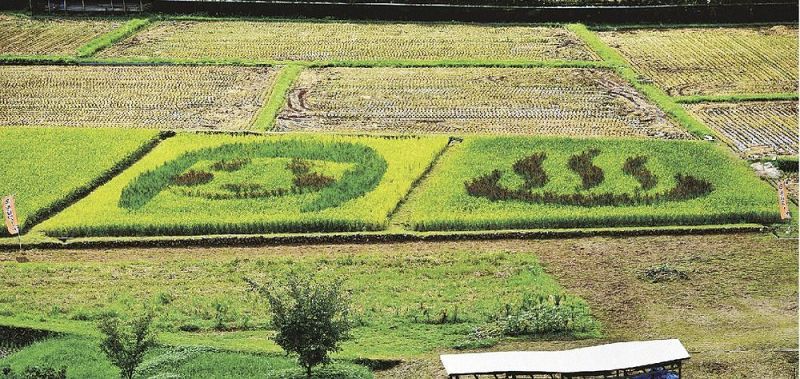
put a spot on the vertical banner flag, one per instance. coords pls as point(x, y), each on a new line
point(782, 202)
point(10, 214)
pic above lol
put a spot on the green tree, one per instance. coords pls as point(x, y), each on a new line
point(310, 316)
point(126, 343)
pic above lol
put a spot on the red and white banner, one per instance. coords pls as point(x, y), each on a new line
point(782, 202)
point(10, 214)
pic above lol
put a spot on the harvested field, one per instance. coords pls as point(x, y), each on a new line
point(753, 129)
point(21, 35)
point(535, 101)
point(712, 61)
point(321, 41)
point(164, 97)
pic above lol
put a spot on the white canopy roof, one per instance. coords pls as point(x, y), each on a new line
point(615, 356)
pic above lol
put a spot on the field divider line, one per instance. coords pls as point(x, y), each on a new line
point(84, 190)
point(104, 41)
point(264, 120)
point(651, 91)
point(778, 96)
point(425, 174)
point(375, 237)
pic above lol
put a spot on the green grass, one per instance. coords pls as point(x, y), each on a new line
point(108, 39)
point(277, 98)
point(83, 359)
point(653, 92)
point(442, 202)
point(734, 98)
point(144, 200)
point(49, 168)
point(189, 292)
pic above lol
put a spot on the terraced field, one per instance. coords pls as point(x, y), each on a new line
point(57, 36)
point(535, 101)
point(332, 41)
point(754, 129)
point(165, 97)
point(517, 183)
point(217, 184)
point(48, 168)
point(712, 60)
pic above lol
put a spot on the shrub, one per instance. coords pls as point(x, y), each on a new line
point(34, 372)
point(310, 316)
point(125, 344)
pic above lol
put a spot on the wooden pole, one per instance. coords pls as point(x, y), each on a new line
point(124, 7)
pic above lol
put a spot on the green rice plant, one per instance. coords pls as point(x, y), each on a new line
point(47, 169)
point(646, 183)
point(346, 184)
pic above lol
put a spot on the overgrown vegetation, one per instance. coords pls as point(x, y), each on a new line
point(83, 359)
point(453, 294)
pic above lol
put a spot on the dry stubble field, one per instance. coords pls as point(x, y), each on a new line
point(22, 35)
point(165, 97)
point(314, 41)
point(532, 101)
point(753, 128)
point(712, 60)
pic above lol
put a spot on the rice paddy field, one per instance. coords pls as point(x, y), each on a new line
point(753, 128)
point(349, 41)
point(532, 101)
point(53, 167)
point(475, 187)
point(216, 184)
point(712, 60)
point(41, 36)
point(518, 183)
point(165, 97)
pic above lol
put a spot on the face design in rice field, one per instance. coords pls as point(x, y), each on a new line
point(337, 172)
point(531, 175)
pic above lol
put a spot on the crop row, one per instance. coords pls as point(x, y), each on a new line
point(332, 41)
point(712, 61)
point(166, 97)
point(754, 129)
point(586, 102)
point(41, 36)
